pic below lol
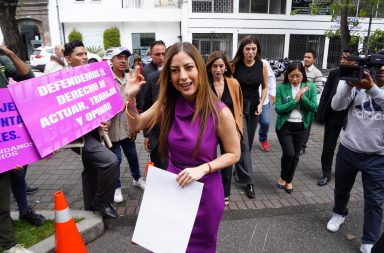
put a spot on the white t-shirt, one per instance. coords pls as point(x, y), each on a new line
point(295, 115)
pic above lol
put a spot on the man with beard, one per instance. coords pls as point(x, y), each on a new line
point(361, 150)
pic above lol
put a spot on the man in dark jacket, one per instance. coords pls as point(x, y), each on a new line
point(10, 66)
point(157, 52)
point(333, 120)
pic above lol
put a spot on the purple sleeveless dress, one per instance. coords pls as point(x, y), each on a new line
point(182, 139)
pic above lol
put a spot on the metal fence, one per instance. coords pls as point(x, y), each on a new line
point(300, 43)
point(209, 42)
point(272, 45)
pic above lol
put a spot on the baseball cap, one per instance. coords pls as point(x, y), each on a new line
point(120, 50)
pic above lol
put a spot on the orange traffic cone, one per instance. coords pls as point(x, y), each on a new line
point(68, 238)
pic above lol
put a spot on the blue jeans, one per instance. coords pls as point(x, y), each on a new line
point(129, 149)
point(264, 121)
point(19, 188)
point(371, 166)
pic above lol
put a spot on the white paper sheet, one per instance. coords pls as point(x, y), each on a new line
point(167, 213)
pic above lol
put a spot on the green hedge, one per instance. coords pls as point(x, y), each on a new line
point(75, 35)
point(111, 38)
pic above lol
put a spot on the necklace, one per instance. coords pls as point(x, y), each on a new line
point(219, 88)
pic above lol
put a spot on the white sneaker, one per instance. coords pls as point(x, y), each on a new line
point(118, 196)
point(17, 249)
point(366, 248)
point(139, 183)
point(335, 222)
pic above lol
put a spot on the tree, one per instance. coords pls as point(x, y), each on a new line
point(111, 38)
point(377, 41)
point(75, 35)
point(8, 25)
point(343, 9)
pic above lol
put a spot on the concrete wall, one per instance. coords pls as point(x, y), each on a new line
point(93, 32)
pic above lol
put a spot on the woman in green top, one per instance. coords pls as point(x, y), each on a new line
point(296, 104)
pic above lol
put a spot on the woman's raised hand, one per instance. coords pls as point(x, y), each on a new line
point(133, 85)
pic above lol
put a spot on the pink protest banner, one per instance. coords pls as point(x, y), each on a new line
point(16, 146)
point(60, 107)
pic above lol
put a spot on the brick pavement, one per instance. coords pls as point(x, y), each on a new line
point(63, 172)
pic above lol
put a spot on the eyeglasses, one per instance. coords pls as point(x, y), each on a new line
point(158, 54)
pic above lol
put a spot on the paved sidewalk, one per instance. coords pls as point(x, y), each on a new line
point(63, 172)
point(300, 229)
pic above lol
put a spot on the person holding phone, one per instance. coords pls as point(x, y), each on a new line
point(251, 73)
point(296, 104)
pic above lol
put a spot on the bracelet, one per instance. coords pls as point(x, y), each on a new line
point(210, 168)
point(128, 106)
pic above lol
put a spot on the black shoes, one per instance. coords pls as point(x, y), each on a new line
point(30, 190)
point(288, 190)
point(302, 151)
point(33, 218)
point(323, 181)
point(105, 209)
point(250, 191)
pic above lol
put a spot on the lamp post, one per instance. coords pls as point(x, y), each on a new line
point(369, 28)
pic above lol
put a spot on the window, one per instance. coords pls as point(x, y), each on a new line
point(262, 6)
point(141, 42)
point(212, 6)
point(133, 3)
point(303, 6)
point(272, 45)
point(209, 42)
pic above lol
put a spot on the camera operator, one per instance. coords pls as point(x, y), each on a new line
point(361, 149)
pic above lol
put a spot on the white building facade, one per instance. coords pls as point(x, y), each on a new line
point(208, 24)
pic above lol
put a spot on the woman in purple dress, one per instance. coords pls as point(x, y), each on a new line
point(192, 120)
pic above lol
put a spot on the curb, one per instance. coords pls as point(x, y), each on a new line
point(90, 228)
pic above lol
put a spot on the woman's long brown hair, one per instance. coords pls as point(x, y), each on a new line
point(206, 103)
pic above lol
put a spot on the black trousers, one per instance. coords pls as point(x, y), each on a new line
point(243, 168)
point(158, 161)
point(332, 128)
point(7, 232)
point(226, 175)
point(291, 136)
point(100, 172)
point(307, 137)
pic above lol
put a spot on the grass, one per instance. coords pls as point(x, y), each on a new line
point(28, 235)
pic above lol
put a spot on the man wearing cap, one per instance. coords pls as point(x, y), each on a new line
point(100, 164)
point(118, 128)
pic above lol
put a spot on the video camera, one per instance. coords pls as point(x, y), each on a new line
point(356, 72)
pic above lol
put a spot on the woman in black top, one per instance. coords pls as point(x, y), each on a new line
point(228, 91)
point(250, 71)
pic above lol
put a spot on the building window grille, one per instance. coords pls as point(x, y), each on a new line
point(212, 6)
point(272, 45)
point(300, 43)
point(209, 42)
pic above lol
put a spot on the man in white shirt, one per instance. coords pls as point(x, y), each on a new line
point(264, 117)
point(314, 75)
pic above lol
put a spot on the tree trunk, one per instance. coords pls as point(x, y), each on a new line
point(8, 25)
point(344, 29)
